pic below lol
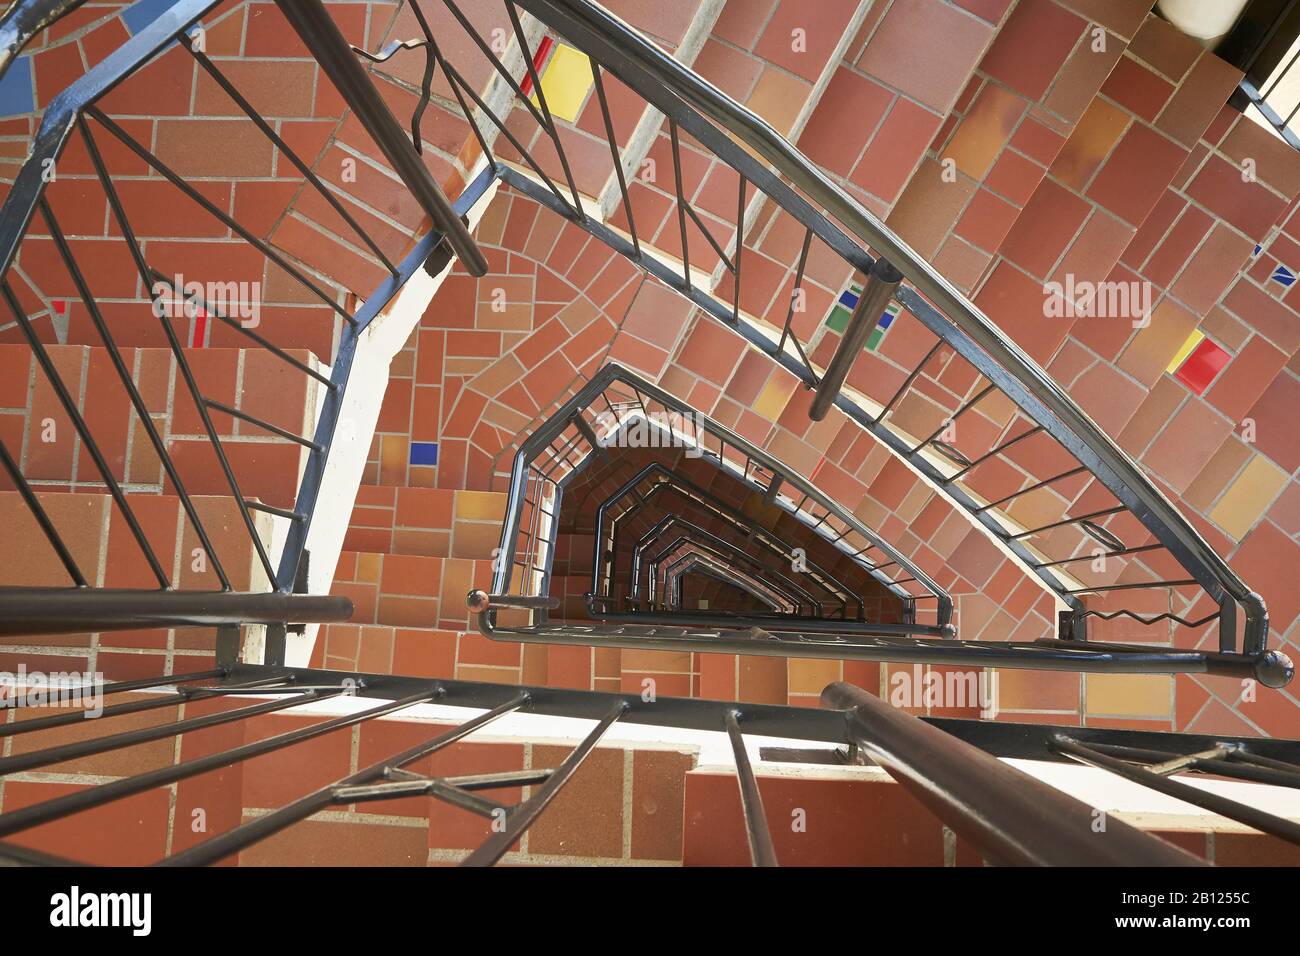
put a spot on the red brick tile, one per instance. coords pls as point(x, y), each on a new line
point(1187, 444)
point(1135, 176)
point(128, 832)
point(843, 120)
point(1122, 17)
point(822, 28)
point(900, 52)
point(895, 149)
point(1097, 248)
point(1161, 44)
point(1080, 79)
point(986, 221)
point(1031, 46)
point(1137, 89)
point(1265, 315)
point(1015, 302)
point(823, 834)
point(1250, 207)
point(1037, 141)
point(1267, 559)
point(1014, 177)
point(1247, 376)
point(1173, 252)
point(1198, 99)
point(1044, 229)
point(1275, 432)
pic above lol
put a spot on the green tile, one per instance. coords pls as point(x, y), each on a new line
point(838, 320)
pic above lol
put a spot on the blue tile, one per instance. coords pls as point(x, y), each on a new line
point(424, 453)
point(848, 299)
point(17, 95)
point(1283, 275)
point(145, 12)
point(887, 320)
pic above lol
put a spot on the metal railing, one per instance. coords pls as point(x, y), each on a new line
point(656, 480)
point(614, 398)
point(78, 115)
point(1008, 816)
point(560, 449)
point(1263, 45)
point(965, 342)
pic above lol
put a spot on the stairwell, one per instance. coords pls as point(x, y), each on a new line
point(1011, 143)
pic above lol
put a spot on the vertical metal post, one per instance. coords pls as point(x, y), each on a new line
point(881, 284)
point(761, 850)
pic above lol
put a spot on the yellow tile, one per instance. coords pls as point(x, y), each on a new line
point(480, 505)
point(1128, 695)
point(810, 676)
point(987, 127)
point(778, 97)
point(393, 454)
point(775, 395)
point(1248, 497)
point(368, 568)
point(565, 82)
point(1185, 350)
point(763, 680)
point(475, 539)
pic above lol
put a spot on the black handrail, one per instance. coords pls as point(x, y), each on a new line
point(1013, 818)
point(317, 29)
point(950, 764)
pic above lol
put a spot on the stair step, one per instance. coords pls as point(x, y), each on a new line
point(434, 522)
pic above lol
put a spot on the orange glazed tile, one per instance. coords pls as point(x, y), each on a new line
point(985, 130)
point(1247, 498)
point(778, 98)
point(1089, 145)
